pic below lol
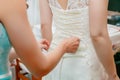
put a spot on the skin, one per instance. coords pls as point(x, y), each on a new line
point(43, 44)
point(13, 16)
point(100, 37)
point(98, 31)
point(46, 20)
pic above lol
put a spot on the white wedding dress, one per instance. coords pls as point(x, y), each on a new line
point(74, 21)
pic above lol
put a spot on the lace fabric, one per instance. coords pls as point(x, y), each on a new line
point(72, 4)
point(74, 21)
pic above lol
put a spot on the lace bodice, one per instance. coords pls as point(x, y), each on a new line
point(74, 21)
point(72, 4)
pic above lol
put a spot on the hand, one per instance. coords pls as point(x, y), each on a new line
point(116, 48)
point(115, 77)
point(71, 44)
point(44, 44)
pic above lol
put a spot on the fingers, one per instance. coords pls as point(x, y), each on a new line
point(75, 38)
point(45, 42)
point(44, 47)
point(72, 44)
point(75, 48)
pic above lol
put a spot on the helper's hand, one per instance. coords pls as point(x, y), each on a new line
point(71, 44)
point(44, 44)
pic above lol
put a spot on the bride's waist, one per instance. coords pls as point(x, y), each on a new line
point(77, 23)
point(71, 26)
point(60, 35)
point(72, 32)
point(85, 45)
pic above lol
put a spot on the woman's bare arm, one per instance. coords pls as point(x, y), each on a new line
point(46, 20)
point(99, 35)
point(13, 16)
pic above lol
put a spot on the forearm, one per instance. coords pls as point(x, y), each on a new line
point(104, 51)
point(99, 34)
point(54, 57)
point(46, 32)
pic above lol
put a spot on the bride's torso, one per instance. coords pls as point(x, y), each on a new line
point(72, 20)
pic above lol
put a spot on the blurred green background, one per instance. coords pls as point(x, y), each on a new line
point(114, 5)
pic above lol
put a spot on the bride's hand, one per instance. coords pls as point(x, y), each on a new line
point(117, 78)
point(44, 44)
